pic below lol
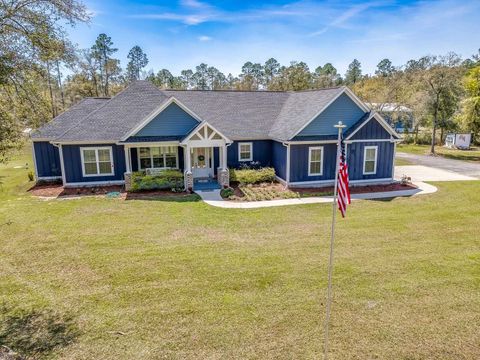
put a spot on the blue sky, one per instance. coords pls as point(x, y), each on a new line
point(181, 34)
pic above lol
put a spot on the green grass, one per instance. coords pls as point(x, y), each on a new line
point(402, 162)
point(183, 280)
point(473, 154)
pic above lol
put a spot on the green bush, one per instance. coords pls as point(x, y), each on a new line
point(252, 176)
point(167, 179)
point(226, 193)
point(421, 139)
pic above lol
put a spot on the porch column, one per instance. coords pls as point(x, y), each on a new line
point(188, 161)
point(223, 176)
point(128, 169)
point(224, 156)
point(128, 160)
point(188, 176)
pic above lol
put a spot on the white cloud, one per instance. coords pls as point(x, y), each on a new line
point(204, 38)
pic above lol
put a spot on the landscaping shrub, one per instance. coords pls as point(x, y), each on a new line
point(259, 193)
point(226, 193)
point(167, 179)
point(252, 176)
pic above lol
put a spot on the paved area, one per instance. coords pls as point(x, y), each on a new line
point(213, 198)
point(427, 173)
point(466, 168)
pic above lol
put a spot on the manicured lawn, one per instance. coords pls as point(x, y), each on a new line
point(473, 154)
point(145, 279)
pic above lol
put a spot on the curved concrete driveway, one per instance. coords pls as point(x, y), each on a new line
point(465, 168)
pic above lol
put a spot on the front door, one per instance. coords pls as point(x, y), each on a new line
point(201, 162)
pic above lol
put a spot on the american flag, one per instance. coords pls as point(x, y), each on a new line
point(343, 190)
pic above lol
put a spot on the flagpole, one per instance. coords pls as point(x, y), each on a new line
point(340, 127)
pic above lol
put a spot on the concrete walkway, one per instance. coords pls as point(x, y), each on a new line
point(213, 198)
point(466, 168)
point(427, 173)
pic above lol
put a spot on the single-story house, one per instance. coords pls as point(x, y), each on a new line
point(101, 141)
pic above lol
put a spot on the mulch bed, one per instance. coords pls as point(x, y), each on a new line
point(355, 189)
point(55, 190)
point(58, 191)
point(325, 191)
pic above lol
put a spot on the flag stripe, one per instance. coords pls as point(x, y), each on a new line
point(342, 182)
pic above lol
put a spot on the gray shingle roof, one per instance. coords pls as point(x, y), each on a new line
point(119, 115)
point(299, 109)
point(69, 118)
point(236, 114)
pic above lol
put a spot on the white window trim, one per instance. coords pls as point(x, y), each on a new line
point(109, 148)
point(310, 160)
point(239, 151)
point(365, 159)
point(151, 158)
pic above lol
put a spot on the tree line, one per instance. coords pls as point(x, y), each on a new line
point(42, 74)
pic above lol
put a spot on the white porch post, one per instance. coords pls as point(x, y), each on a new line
point(188, 176)
point(224, 156)
point(128, 159)
point(188, 161)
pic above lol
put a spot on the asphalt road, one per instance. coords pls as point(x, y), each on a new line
point(468, 168)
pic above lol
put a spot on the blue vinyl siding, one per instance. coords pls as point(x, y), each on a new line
point(172, 121)
point(279, 159)
point(343, 108)
point(355, 152)
point(47, 159)
point(299, 162)
point(73, 164)
point(262, 151)
point(371, 130)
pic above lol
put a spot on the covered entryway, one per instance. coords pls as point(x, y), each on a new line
point(202, 162)
point(200, 159)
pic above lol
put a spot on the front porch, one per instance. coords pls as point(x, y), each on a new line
point(201, 157)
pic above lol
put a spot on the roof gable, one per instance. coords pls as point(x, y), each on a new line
point(343, 108)
point(371, 126)
point(143, 110)
point(170, 120)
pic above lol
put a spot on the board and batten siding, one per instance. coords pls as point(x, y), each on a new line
point(279, 159)
point(371, 130)
point(73, 164)
point(262, 151)
point(355, 158)
point(172, 121)
point(299, 162)
point(47, 160)
point(343, 108)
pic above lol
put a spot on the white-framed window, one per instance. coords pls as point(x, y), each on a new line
point(245, 151)
point(315, 161)
point(159, 157)
point(97, 161)
point(370, 160)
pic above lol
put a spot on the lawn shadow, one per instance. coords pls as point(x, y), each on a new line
point(34, 334)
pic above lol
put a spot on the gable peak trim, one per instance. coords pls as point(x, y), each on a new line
point(159, 110)
point(380, 120)
point(345, 90)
